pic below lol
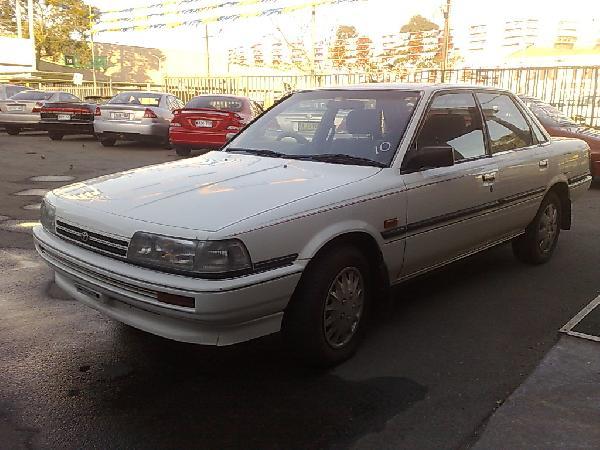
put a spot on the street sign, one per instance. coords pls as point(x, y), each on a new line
point(78, 79)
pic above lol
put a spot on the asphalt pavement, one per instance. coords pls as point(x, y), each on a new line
point(441, 358)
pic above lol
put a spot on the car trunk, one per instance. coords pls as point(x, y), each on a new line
point(129, 113)
point(208, 119)
point(19, 106)
point(63, 111)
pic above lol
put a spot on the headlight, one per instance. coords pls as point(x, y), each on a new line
point(48, 216)
point(210, 258)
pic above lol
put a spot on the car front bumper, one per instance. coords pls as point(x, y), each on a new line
point(131, 130)
point(225, 312)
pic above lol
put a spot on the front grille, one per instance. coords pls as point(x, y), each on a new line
point(91, 240)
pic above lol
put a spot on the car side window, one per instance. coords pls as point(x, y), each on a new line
point(454, 120)
point(507, 127)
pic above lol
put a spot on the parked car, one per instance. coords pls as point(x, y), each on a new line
point(559, 125)
point(136, 116)
point(22, 110)
point(284, 231)
point(8, 90)
point(208, 121)
point(67, 116)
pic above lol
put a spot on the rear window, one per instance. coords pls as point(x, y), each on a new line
point(12, 90)
point(136, 98)
point(32, 95)
point(216, 102)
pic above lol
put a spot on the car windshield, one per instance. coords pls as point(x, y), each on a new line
point(32, 95)
point(136, 98)
point(549, 115)
point(362, 127)
point(216, 102)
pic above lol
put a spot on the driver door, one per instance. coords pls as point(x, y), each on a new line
point(447, 206)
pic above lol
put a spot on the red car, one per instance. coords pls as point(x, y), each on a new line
point(207, 122)
point(559, 125)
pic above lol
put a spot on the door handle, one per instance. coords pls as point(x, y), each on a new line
point(543, 164)
point(489, 177)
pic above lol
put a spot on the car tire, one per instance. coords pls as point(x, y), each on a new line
point(108, 142)
point(319, 329)
point(55, 136)
point(13, 131)
point(183, 151)
point(537, 244)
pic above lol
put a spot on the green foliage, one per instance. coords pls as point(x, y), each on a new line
point(61, 27)
point(418, 23)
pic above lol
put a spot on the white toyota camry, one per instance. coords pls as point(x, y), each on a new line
point(312, 212)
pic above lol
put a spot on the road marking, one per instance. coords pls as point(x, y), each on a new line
point(38, 192)
point(568, 327)
point(33, 206)
point(51, 178)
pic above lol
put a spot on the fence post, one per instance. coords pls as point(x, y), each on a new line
point(594, 96)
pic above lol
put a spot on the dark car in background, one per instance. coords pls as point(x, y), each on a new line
point(70, 116)
point(208, 121)
point(559, 125)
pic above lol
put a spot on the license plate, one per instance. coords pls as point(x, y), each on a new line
point(307, 126)
point(64, 117)
point(120, 116)
point(203, 123)
point(14, 108)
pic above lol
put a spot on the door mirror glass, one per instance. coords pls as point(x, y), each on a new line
point(430, 157)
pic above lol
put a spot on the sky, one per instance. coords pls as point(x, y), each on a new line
point(369, 16)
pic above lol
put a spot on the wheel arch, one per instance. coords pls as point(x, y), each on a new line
point(367, 244)
point(561, 188)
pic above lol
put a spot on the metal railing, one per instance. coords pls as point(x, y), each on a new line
point(574, 90)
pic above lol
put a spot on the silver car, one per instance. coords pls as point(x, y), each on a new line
point(8, 90)
point(22, 110)
point(136, 116)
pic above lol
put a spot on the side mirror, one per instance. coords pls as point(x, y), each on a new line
point(430, 157)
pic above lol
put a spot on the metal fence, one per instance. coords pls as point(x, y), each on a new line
point(574, 90)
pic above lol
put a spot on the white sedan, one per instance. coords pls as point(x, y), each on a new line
point(302, 230)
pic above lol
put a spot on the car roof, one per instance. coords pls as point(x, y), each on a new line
point(142, 92)
point(426, 87)
point(236, 97)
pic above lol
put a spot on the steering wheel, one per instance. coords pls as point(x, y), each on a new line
point(292, 134)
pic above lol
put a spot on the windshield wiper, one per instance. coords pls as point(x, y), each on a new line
point(340, 158)
point(258, 152)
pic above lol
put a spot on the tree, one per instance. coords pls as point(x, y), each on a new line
point(418, 23)
point(61, 27)
point(339, 49)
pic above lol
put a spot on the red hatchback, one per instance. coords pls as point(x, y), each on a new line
point(207, 121)
point(559, 125)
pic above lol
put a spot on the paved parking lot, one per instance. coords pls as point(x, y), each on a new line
point(444, 355)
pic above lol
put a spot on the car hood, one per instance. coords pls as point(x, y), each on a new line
point(209, 192)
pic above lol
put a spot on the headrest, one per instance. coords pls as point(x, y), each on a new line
point(363, 121)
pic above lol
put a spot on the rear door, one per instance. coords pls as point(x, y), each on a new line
point(521, 157)
point(448, 210)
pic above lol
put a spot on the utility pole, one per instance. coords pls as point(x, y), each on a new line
point(31, 34)
point(207, 50)
point(18, 14)
point(93, 52)
point(446, 39)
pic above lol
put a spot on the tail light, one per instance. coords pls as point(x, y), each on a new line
point(37, 107)
point(97, 112)
point(149, 114)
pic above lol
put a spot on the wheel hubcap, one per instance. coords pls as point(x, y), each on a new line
point(548, 228)
point(343, 307)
